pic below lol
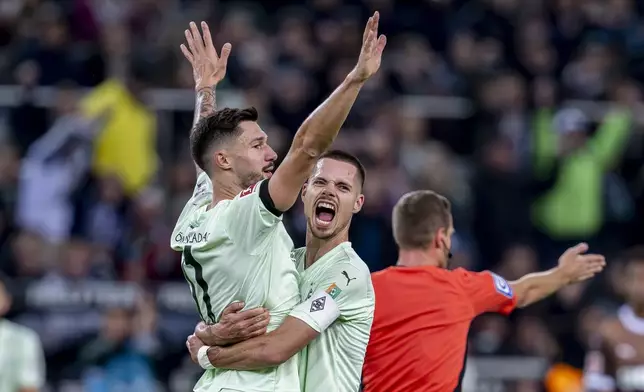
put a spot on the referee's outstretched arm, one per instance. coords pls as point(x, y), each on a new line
point(574, 266)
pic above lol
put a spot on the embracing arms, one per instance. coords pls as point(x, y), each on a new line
point(267, 350)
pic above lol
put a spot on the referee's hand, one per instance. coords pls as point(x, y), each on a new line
point(234, 326)
point(577, 265)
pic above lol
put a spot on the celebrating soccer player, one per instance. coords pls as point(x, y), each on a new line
point(424, 310)
point(335, 282)
point(234, 245)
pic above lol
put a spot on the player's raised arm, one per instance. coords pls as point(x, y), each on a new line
point(208, 69)
point(319, 130)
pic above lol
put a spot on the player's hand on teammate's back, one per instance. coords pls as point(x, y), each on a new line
point(371, 51)
point(577, 266)
point(234, 326)
point(208, 68)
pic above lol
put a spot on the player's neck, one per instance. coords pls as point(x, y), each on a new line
point(417, 258)
point(223, 190)
point(318, 247)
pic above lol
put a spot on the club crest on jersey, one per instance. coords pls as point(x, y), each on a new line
point(501, 285)
point(248, 190)
point(333, 291)
point(318, 304)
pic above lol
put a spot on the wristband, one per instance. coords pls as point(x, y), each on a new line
point(202, 358)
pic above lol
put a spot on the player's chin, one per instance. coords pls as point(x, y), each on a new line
point(322, 229)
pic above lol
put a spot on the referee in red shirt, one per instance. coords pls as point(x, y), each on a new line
point(424, 311)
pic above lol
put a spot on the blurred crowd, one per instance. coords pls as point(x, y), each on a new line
point(545, 150)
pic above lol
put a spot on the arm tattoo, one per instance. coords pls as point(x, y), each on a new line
point(205, 105)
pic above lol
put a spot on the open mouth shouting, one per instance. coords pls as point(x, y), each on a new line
point(324, 213)
point(268, 171)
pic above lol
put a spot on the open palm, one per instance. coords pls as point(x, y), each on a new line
point(371, 51)
point(208, 68)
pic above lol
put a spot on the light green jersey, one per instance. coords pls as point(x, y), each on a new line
point(22, 361)
point(333, 361)
point(238, 251)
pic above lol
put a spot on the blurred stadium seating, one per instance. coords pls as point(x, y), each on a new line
point(96, 105)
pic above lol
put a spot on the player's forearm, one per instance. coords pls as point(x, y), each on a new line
point(211, 336)
point(249, 355)
point(267, 350)
point(205, 103)
point(319, 130)
point(534, 287)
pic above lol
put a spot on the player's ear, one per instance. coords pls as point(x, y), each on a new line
point(222, 160)
point(439, 237)
point(303, 193)
point(357, 206)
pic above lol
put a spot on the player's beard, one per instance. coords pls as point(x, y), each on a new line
point(250, 179)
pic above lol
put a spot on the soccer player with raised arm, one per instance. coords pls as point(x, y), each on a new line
point(234, 245)
point(419, 334)
point(335, 317)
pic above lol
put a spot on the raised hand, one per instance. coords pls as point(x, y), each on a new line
point(371, 51)
point(208, 68)
point(577, 266)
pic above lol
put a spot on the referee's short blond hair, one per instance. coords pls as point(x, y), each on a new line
point(417, 216)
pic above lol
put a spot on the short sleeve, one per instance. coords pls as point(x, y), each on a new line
point(32, 370)
point(486, 291)
point(346, 290)
point(250, 220)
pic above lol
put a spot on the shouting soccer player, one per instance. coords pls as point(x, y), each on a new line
point(234, 245)
point(335, 317)
point(424, 311)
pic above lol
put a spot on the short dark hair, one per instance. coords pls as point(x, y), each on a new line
point(417, 216)
point(347, 157)
point(215, 129)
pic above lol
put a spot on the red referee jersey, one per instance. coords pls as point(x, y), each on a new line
point(419, 333)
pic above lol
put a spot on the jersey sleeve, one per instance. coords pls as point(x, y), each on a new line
point(344, 295)
point(251, 218)
point(31, 372)
point(486, 291)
